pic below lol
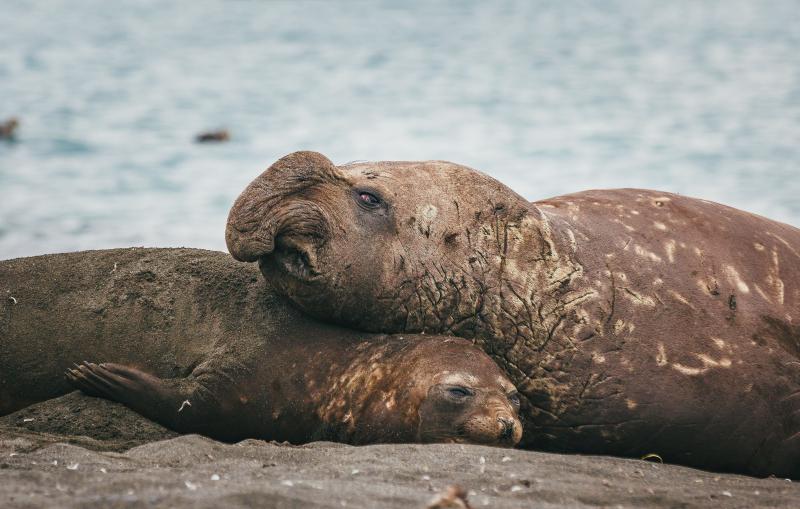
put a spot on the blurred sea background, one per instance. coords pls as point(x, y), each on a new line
point(695, 97)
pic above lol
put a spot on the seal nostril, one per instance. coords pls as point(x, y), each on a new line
point(508, 427)
point(295, 256)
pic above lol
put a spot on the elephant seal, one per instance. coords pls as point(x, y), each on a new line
point(631, 321)
point(197, 342)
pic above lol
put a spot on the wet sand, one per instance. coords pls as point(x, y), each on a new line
point(77, 451)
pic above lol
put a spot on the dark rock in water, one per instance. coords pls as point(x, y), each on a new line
point(8, 127)
point(213, 136)
point(47, 463)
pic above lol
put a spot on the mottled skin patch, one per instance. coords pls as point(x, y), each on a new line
point(543, 286)
point(200, 344)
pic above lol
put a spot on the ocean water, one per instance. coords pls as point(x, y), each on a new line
point(700, 98)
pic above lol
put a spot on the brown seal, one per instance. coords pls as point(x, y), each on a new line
point(631, 321)
point(191, 340)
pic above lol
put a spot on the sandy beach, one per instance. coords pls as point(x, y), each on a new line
point(77, 451)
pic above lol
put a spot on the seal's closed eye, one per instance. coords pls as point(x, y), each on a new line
point(458, 392)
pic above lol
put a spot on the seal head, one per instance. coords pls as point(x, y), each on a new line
point(456, 410)
point(367, 244)
point(414, 388)
point(470, 401)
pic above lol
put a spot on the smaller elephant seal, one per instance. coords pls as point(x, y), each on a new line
point(8, 128)
point(388, 389)
point(198, 343)
point(213, 136)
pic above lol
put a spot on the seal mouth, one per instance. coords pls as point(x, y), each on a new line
point(294, 256)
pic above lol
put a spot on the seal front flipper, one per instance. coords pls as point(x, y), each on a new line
point(183, 405)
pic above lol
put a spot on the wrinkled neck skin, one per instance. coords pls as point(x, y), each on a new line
point(367, 398)
point(516, 295)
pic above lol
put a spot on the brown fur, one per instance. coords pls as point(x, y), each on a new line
point(632, 321)
point(200, 344)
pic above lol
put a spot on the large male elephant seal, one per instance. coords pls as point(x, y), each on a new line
point(196, 342)
point(632, 321)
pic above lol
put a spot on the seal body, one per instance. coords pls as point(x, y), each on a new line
point(631, 321)
point(689, 332)
point(198, 343)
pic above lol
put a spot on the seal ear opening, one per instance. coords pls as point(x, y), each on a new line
point(256, 215)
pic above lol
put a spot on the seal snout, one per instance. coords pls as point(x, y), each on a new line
point(297, 256)
point(506, 427)
point(276, 202)
point(299, 233)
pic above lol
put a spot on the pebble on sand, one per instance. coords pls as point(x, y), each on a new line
point(454, 497)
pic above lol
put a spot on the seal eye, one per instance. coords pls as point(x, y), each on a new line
point(458, 392)
point(369, 200)
point(514, 399)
